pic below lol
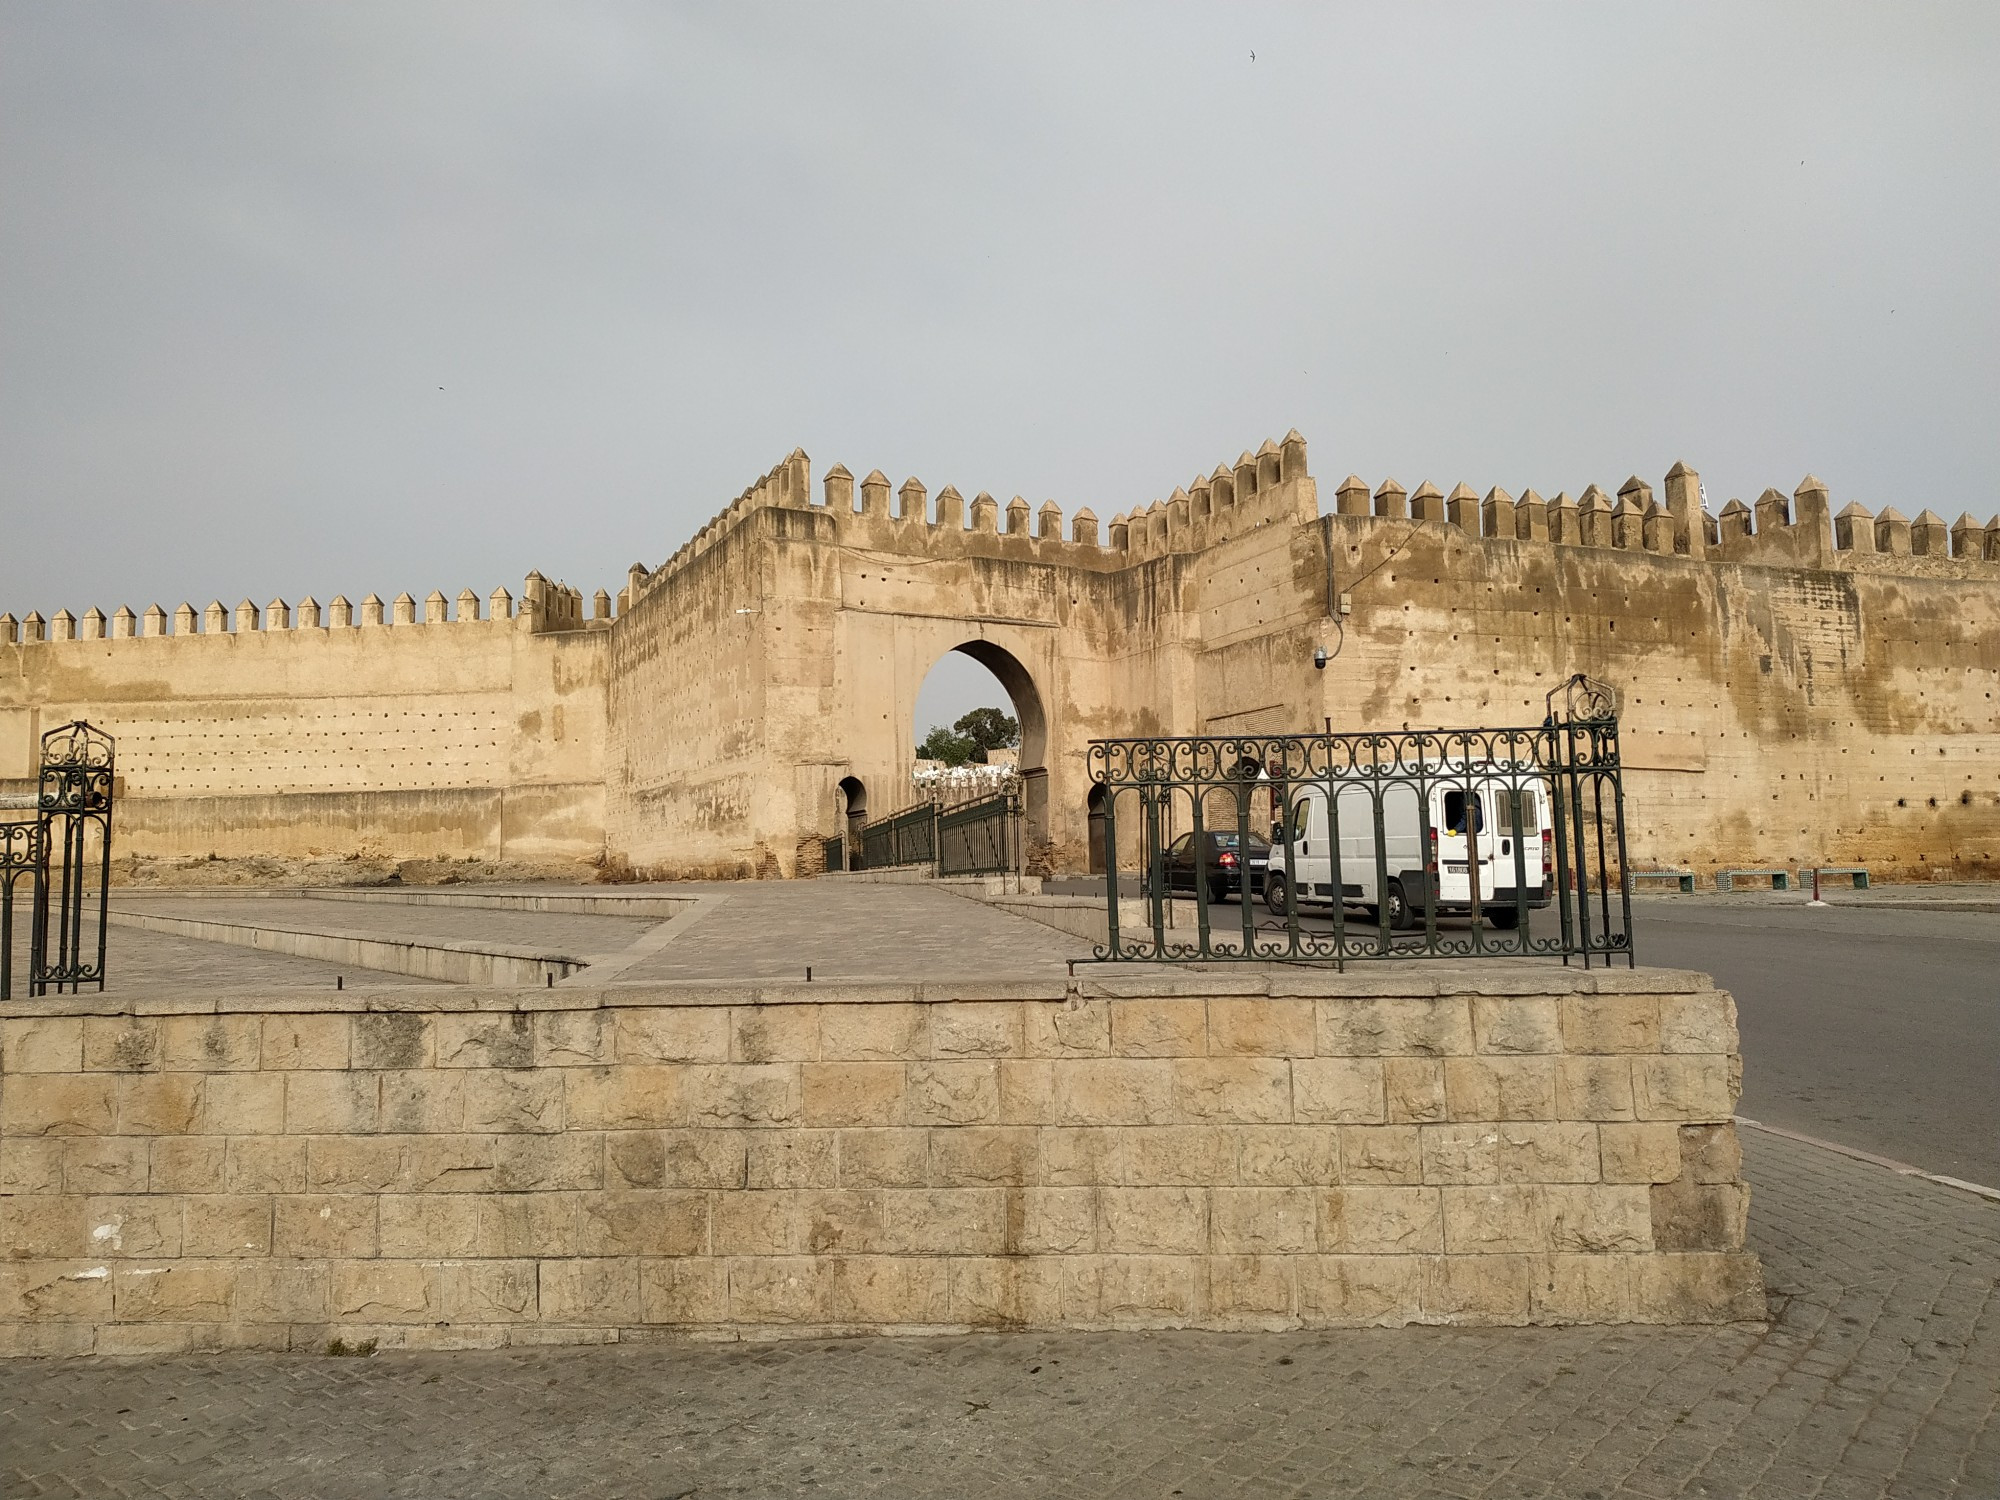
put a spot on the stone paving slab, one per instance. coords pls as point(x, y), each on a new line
point(152, 962)
point(564, 933)
point(774, 929)
point(1878, 1376)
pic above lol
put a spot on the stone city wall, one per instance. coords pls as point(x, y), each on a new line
point(306, 733)
point(1795, 686)
point(440, 1168)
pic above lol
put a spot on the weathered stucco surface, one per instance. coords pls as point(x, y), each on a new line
point(1794, 685)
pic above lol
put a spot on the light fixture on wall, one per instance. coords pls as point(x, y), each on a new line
point(1319, 657)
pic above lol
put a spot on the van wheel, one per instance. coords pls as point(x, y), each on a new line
point(1399, 909)
point(1506, 918)
point(1274, 893)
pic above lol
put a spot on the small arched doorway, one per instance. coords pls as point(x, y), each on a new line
point(854, 818)
point(1094, 811)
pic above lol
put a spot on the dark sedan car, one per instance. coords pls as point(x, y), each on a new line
point(1224, 864)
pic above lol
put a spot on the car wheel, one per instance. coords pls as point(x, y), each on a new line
point(1400, 919)
point(1218, 892)
point(1275, 891)
point(1506, 918)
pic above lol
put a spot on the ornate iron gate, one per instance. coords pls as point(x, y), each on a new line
point(62, 856)
point(1489, 827)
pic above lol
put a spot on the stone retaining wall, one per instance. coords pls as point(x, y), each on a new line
point(448, 1168)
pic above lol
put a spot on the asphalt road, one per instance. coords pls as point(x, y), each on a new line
point(1869, 1026)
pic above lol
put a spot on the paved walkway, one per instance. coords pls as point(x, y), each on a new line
point(552, 932)
point(1878, 1377)
point(739, 930)
point(851, 930)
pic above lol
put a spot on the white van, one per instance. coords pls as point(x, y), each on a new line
point(1419, 850)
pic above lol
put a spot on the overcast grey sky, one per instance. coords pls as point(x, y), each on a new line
point(330, 298)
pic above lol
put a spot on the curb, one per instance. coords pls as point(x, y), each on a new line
point(1900, 1168)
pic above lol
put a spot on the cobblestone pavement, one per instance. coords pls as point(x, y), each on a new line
point(1878, 1377)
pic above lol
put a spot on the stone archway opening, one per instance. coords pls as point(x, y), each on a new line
point(956, 684)
point(1093, 808)
point(853, 816)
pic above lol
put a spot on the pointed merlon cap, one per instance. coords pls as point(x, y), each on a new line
point(1352, 483)
point(1733, 508)
point(1294, 436)
point(1497, 496)
point(1390, 487)
point(876, 476)
point(1269, 447)
point(950, 492)
point(1592, 495)
point(1463, 491)
point(1528, 497)
point(1680, 471)
point(1855, 510)
point(1427, 491)
point(1889, 513)
point(1222, 471)
point(1635, 486)
point(838, 471)
point(1181, 495)
point(1927, 518)
point(1810, 484)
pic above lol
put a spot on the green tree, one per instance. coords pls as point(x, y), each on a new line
point(988, 729)
point(942, 744)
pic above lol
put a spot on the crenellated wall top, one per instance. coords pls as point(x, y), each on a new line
point(543, 607)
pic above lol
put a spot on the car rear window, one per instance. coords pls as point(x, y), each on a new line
point(1228, 841)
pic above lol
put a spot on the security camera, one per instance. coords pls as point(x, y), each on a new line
point(1319, 657)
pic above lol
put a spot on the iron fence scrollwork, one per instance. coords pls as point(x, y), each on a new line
point(1370, 845)
point(61, 855)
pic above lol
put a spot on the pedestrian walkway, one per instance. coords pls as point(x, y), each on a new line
point(1878, 1376)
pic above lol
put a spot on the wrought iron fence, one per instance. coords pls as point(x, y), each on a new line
point(979, 838)
point(905, 838)
point(62, 855)
point(836, 854)
point(1446, 843)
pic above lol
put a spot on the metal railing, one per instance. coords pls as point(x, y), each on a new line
point(905, 838)
point(981, 837)
point(1413, 844)
point(55, 855)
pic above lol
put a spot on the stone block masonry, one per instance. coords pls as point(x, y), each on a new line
point(451, 1169)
